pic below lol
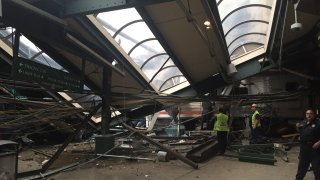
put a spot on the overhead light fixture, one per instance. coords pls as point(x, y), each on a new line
point(207, 23)
point(296, 26)
point(114, 63)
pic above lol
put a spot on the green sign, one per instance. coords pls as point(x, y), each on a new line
point(57, 80)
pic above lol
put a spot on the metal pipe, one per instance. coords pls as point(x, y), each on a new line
point(179, 156)
point(43, 153)
point(126, 157)
point(43, 175)
point(92, 52)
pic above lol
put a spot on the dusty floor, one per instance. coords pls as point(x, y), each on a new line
point(219, 167)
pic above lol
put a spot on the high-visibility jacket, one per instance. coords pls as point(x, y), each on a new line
point(221, 123)
point(253, 118)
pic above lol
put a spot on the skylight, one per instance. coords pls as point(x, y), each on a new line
point(27, 49)
point(245, 24)
point(134, 36)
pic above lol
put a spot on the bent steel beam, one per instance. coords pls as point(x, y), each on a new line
point(85, 7)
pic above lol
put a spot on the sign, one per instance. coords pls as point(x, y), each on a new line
point(54, 79)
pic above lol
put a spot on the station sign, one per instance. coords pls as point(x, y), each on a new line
point(53, 79)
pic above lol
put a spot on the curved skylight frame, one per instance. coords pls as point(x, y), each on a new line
point(246, 44)
point(152, 58)
point(246, 34)
point(240, 23)
point(245, 22)
point(166, 81)
point(146, 62)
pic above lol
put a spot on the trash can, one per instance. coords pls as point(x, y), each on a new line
point(104, 143)
point(8, 160)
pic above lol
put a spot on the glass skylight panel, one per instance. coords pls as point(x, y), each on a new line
point(176, 78)
point(169, 63)
point(244, 22)
point(28, 50)
point(43, 58)
point(146, 50)
point(250, 27)
point(134, 36)
point(152, 66)
point(254, 38)
point(163, 74)
point(251, 14)
point(119, 18)
point(6, 32)
point(226, 6)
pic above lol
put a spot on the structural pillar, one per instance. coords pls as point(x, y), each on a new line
point(106, 100)
point(15, 48)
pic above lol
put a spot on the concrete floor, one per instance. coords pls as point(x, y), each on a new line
point(219, 167)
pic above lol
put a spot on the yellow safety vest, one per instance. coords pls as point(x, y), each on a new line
point(221, 123)
point(253, 118)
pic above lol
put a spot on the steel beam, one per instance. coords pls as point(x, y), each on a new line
point(212, 11)
point(16, 45)
point(250, 68)
point(40, 12)
point(85, 7)
point(277, 27)
point(78, 43)
point(64, 62)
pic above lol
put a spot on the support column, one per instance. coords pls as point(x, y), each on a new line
point(106, 100)
point(15, 49)
point(83, 73)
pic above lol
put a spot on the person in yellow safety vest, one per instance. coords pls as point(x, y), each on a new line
point(255, 124)
point(221, 127)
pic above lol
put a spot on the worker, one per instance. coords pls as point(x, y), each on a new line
point(309, 130)
point(222, 129)
point(255, 125)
